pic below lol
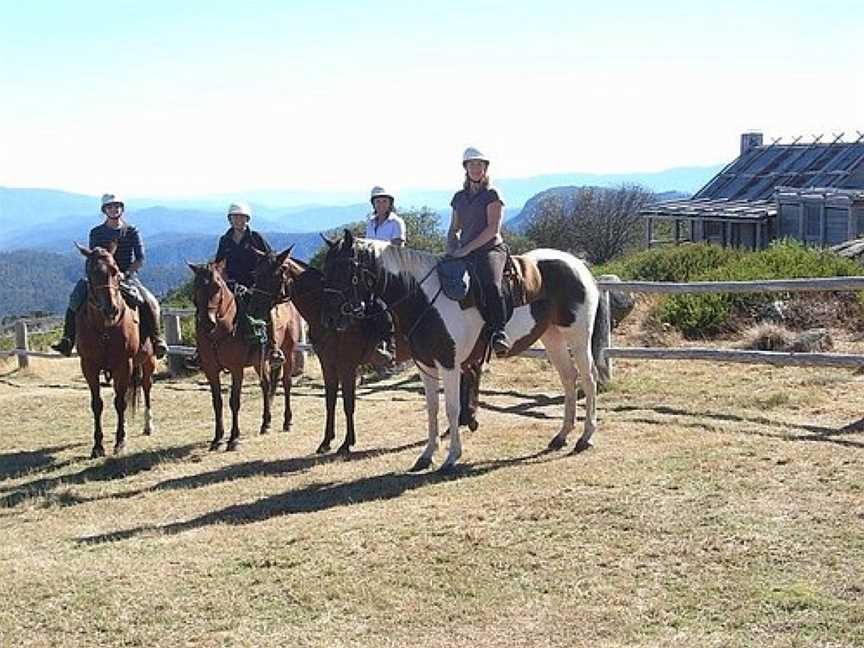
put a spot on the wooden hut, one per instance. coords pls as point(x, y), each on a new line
point(812, 192)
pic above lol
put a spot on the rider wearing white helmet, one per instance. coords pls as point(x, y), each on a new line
point(475, 233)
point(129, 256)
point(383, 223)
point(237, 246)
point(238, 249)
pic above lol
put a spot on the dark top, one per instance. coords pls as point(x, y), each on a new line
point(241, 258)
point(130, 247)
point(471, 209)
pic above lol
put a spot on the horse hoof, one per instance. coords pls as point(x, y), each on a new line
point(286, 427)
point(557, 443)
point(446, 469)
point(215, 445)
point(119, 449)
point(582, 446)
point(344, 452)
point(473, 425)
point(323, 449)
point(232, 445)
point(98, 451)
point(421, 464)
point(265, 429)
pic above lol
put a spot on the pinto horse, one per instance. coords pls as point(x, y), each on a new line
point(109, 339)
point(339, 352)
point(221, 347)
point(442, 336)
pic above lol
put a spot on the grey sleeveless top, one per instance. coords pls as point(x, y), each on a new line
point(472, 214)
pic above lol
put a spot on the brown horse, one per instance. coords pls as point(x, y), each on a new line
point(339, 352)
point(109, 339)
point(221, 347)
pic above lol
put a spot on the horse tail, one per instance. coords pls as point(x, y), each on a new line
point(133, 391)
point(599, 337)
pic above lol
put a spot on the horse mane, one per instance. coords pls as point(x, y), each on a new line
point(399, 259)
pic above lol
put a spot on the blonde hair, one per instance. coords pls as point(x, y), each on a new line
point(485, 183)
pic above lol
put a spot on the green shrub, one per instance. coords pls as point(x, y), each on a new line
point(676, 264)
point(710, 314)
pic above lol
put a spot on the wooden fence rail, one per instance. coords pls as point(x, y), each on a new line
point(776, 358)
point(177, 351)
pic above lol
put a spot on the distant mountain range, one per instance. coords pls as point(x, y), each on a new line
point(176, 230)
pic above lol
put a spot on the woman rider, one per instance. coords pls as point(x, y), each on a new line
point(237, 249)
point(475, 234)
point(383, 225)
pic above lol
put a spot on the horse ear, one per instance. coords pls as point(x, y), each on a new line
point(260, 253)
point(330, 242)
point(219, 266)
point(284, 256)
point(83, 250)
point(348, 238)
point(195, 267)
point(112, 247)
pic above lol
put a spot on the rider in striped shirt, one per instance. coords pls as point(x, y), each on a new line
point(129, 257)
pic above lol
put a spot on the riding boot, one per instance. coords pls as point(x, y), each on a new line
point(160, 347)
point(151, 330)
point(67, 342)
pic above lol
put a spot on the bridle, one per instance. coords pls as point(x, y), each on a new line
point(363, 277)
point(353, 302)
point(93, 300)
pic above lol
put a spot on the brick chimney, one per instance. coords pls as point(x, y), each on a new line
point(750, 141)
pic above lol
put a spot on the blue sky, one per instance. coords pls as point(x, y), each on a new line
point(188, 98)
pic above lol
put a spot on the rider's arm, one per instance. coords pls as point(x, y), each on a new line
point(262, 244)
point(453, 232)
point(137, 252)
point(222, 250)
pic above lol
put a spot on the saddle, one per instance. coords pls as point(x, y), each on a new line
point(522, 283)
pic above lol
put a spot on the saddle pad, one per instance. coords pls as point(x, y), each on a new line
point(454, 278)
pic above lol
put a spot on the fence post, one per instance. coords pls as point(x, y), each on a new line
point(22, 341)
point(605, 368)
point(173, 338)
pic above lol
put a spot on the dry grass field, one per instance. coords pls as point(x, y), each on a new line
point(720, 506)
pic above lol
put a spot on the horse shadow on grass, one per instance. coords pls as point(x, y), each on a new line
point(18, 464)
point(258, 468)
point(530, 405)
point(117, 467)
point(321, 497)
point(789, 431)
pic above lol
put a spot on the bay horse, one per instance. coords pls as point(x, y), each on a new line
point(221, 347)
point(109, 339)
point(340, 353)
point(442, 336)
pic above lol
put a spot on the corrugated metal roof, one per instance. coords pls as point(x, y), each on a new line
point(754, 175)
point(742, 210)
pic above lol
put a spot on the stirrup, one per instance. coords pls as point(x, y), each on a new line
point(500, 345)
